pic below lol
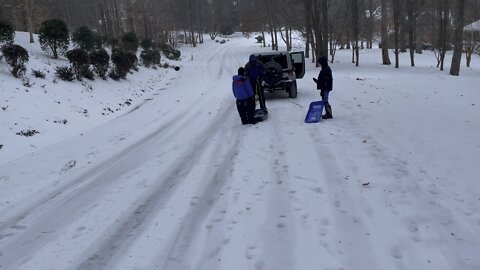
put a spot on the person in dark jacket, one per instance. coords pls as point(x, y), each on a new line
point(243, 92)
point(254, 70)
point(325, 85)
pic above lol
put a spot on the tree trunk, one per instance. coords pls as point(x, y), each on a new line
point(190, 23)
point(396, 26)
point(317, 33)
point(356, 30)
point(29, 15)
point(468, 55)
point(308, 26)
point(274, 27)
point(263, 37)
point(199, 23)
point(271, 35)
point(330, 42)
point(54, 47)
point(118, 28)
point(314, 48)
point(384, 42)
point(286, 38)
point(457, 52)
point(412, 25)
point(275, 35)
point(444, 14)
point(370, 25)
point(324, 42)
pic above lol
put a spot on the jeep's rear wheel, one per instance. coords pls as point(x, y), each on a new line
point(292, 92)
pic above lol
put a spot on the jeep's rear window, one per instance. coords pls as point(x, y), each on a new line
point(278, 58)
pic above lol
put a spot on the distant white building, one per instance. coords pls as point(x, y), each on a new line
point(472, 33)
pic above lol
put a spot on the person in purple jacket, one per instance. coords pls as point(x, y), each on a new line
point(243, 92)
point(254, 70)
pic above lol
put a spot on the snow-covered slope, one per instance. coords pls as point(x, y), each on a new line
point(178, 183)
point(58, 109)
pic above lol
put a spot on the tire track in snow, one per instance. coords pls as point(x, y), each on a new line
point(180, 245)
point(107, 249)
point(9, 221)
point(348, 222)
point(279, 225)
point(81, 190)
point(78, 181)
point(68, 200)
point(416, 190)
point(156, 198)
point(81, 184)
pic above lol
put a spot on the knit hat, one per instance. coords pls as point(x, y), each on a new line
point(323, 61)
point(241, 71)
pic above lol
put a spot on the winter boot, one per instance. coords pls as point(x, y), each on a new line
point(328, 112)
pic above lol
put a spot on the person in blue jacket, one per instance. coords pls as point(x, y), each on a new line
point(243, 92)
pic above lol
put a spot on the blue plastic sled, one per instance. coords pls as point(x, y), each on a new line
point(314, 113)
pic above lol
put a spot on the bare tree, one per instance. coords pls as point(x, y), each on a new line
point(444, 15)
point(190, 22)
point(308, 26)
point(316, 29)
point(371, 21)
point(384, 42)
point(29, 15)
point(457, 52)
point(324, 41)
point(272, 26)
point(356, 31)
point(412, 13)
point(216, 14)
point(396, 29)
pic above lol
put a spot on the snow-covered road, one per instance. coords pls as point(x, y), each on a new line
point(179, 183)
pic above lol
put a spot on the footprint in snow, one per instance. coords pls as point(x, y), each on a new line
point(259, 265)
point(251, 252)
point(396, 253)
point(18, 227)
point(69, 165)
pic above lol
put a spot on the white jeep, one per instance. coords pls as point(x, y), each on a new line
point(282, 69)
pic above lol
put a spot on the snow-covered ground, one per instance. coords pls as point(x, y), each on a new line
point(174, 181)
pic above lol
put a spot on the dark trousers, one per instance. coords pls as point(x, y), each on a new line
point(324, 94)
point(246, 108)
point(259, 91)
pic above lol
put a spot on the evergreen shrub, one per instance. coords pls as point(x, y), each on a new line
point(85, 38)
point(150, 57)
point(7, 34)
point(146, 44)
point(130, 42)
point(170, 52)
point(147, 57)
point(17, 57)
point(122, 65)
point(38, 74)
point(54, 37)
point(80, 62)
point(100, 60)
point(65, 73)
point(133, 60)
